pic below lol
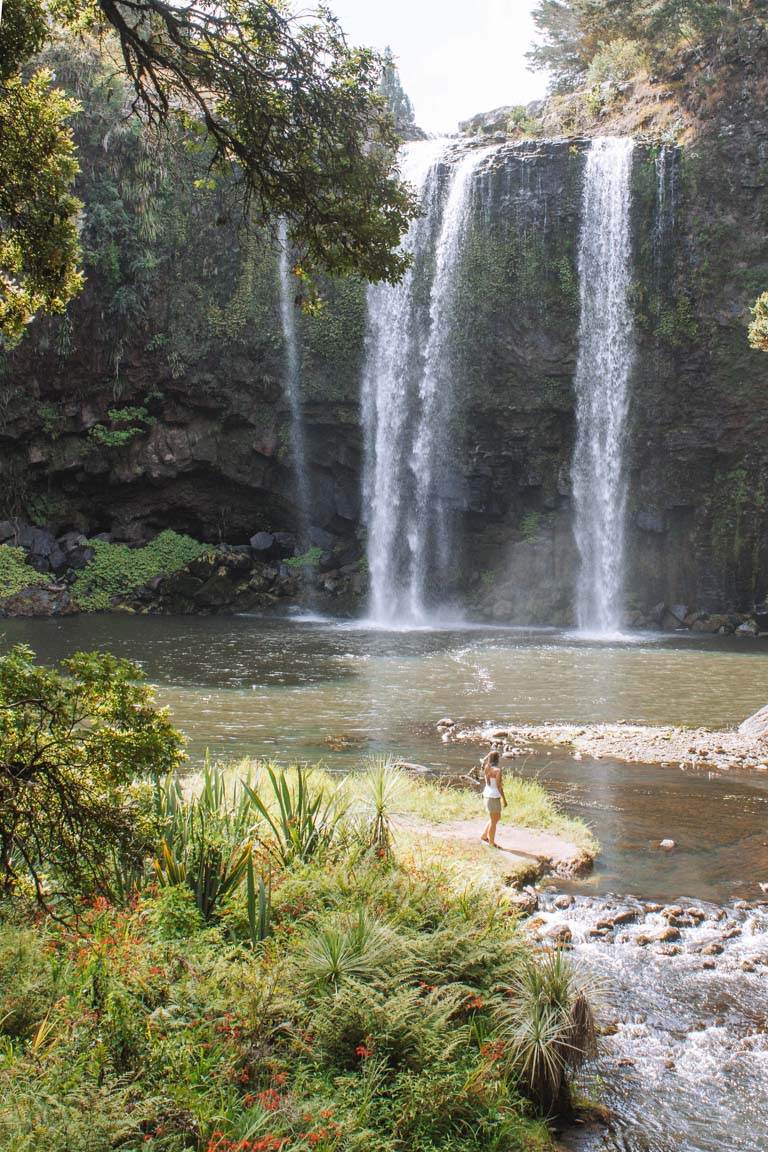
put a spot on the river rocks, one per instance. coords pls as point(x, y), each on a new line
point(264, 546)
point(614, 919)
point(748, 628)
point(414, 769)
point(667, 844)
point(638, 743)
point(668, 935)
point(229, 578)
point(756, 725)
point(445, 724)
point(525, 902)
point(53, 600)
point(559, 935)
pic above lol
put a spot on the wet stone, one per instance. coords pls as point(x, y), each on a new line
point(558, 934)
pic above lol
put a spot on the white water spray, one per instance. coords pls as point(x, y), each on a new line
point(603, 371)
point(407, 391)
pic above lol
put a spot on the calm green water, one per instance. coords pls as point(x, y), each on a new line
point(289, 690)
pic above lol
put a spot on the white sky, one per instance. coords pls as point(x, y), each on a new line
point(455, 57)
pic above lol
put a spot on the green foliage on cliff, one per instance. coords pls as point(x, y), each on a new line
point(117, 570)
point(618, 61)
point(589, 41)
point(758, 329)
point(123, 427)
point(308, 559)
point(677, 324)
point(285, 112)
point(39, 248)
point(333, 337)
point(15, 573)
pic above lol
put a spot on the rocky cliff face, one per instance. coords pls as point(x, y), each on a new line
point(181, 349)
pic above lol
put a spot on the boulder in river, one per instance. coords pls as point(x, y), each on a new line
point(558, 934)
point(264, 546)
point(756, 725)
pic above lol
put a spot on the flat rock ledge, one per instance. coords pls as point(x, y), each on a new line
point(522, 853)
point(634, 743)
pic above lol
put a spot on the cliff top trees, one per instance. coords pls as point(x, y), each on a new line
point(397, 99)
point(281, 102)
point(574, 32)
point(38, 214)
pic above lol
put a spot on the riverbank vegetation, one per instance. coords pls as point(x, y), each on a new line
point(253, 965)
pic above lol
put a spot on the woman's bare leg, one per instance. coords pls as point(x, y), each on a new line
point(492, 829)
point(486, 831)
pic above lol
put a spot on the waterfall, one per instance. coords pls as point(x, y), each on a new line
point(407, 391)
point(666, 210)
point(603, 371)
point(292, 384)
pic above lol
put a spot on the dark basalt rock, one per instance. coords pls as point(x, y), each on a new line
point(216, 463)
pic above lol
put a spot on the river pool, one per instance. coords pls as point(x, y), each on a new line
point(311, 690)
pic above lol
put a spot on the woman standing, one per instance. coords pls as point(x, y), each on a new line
point(493, 794)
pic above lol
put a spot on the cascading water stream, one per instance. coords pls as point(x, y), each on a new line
point(603, 372)
point(389, 371)
point(292, 382)
point(407, 389)
point(429, 531)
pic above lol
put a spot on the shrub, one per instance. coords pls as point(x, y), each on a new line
point(122, 430)
point(392, 1027)
point(758, 329)
point(616, 62)
point(207, 839)
point(308, 559)
point(303, 816)
point(72, 744)
point(382, 788)
point(15, 573)
point(117, 570)
point(548, 1027)
point(347, 951)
